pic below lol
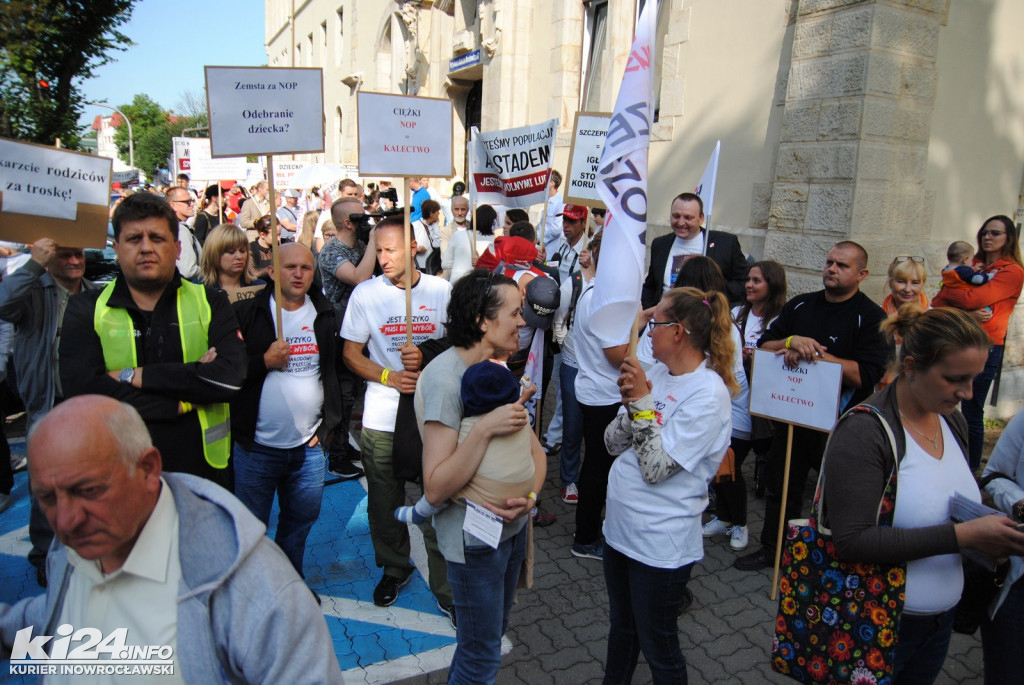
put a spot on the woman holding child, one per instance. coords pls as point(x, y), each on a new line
point(483, 323)
point(991, 304)
point(658, 485)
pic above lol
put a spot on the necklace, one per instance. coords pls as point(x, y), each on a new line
point(935, 442)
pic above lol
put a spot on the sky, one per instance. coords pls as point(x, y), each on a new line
point(174, 41)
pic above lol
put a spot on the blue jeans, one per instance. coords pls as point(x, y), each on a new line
point(643, 609)
point(1001, 639)
point(974, 408)
point(483, 589)
point(572, 426)
point(297, 476)
point(921, 650)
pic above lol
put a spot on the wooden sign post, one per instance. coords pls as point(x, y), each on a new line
point(804, 395)
point(266, 110)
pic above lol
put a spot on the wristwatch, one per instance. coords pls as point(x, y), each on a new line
point(127, 375)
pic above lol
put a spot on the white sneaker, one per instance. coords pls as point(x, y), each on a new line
point(716, 527)
point(739, 538)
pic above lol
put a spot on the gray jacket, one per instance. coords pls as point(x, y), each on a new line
point(29, 299)
point(244, 615)
point(1008, 459)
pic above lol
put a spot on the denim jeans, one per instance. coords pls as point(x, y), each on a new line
point(483, 589)
point(572, 426)
point(1002, 638)
point(921, 650)
point(974, 408)
point(643, 610)
point(297, 476)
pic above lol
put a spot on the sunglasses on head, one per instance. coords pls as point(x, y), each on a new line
point(908, 258)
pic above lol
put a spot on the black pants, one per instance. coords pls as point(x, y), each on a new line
point(732, 496)
point(597, 462)
point(6, 473)
point(351, 385)
point(808, 448)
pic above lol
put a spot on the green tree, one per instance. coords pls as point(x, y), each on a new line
point(47, 48)
point(152, 130)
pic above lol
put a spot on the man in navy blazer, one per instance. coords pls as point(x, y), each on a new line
point(687, 239)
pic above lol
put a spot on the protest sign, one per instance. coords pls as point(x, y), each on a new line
point(180, 155)
point(400, 135)
point(806, 395)
point(206, 168)
point(265, 110)
point(55, 193)
point(588, 134)
point(246, 292)
point(512, 167)
point(284, 171)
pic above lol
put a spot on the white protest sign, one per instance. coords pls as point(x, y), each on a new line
point(206, 168)
point(180, 154)
point(400, 135)
point(284, 170)
point(805, 395)
point(264, 110)
point(55, 193)
point(588, 134)
point(512, 167)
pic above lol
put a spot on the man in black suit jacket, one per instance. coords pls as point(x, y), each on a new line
point(686, 218)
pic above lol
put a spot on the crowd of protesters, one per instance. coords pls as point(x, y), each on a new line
point(261, 393)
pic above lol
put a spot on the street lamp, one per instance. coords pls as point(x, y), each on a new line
point(131, 144)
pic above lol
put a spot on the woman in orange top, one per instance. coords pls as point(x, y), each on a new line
point(907, 277)
point(991, 304)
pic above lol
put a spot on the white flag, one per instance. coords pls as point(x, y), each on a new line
point(622, 186)
point(534, 370)
point(706, 188)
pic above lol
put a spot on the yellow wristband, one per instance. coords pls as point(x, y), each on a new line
point(186, 407)
point(384, 376)
point(533, 496)
point(789, 342)
point(644, 415)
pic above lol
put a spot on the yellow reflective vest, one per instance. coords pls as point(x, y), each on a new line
point(117, 336)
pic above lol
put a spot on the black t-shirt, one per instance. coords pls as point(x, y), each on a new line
point(848, 329)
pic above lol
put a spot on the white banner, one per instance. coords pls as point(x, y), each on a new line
point(806, 395)
point(284, 171)
point(206, 168)
point(402, 135)
point(180, 155)
point(622, 186)
point(588, 137)
point(512, 167)
point(47, 181)
point(534, 370)
point(265, 110)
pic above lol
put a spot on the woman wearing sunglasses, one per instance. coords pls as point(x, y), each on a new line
point(991, 304)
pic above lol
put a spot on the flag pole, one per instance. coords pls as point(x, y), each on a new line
point(275, 238)
point(408, 266)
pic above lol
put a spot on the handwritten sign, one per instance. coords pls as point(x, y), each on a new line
point(265, 110)
point(400, 135)
point(588, 134)
point(805, 395)
point(46, 191)
point(284, 171)
point(205, 168)
point(246, 292)
point(512, 166)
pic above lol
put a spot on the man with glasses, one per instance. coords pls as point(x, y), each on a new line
point(184, 207)
point(838, 324)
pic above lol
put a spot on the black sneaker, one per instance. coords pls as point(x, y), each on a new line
point(319, 602)
point(551, 449)
point(755, 561)
point(448, 611)
point(386, 592)
point(343, 469)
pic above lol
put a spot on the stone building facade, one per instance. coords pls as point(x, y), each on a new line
point(895, 123)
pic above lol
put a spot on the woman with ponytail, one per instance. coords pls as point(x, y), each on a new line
point(670, 436)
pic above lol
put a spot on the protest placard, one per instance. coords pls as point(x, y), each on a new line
point(246, 292)
point(265, 110)
point(588, 134)
point(805, 395)
point(284, 170)
point(55, 193)
point(511, 167)
point(180, 155)
point(205, 168)
point(401, 135)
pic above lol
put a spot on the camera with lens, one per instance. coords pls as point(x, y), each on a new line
point(364, 222)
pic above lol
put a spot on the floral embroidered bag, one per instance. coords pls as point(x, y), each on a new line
point(837, 622)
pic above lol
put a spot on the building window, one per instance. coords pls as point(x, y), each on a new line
point(593, 50)
point(659, 54)
point(339, 37)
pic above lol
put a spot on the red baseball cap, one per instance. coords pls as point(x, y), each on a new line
point(575, 212)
